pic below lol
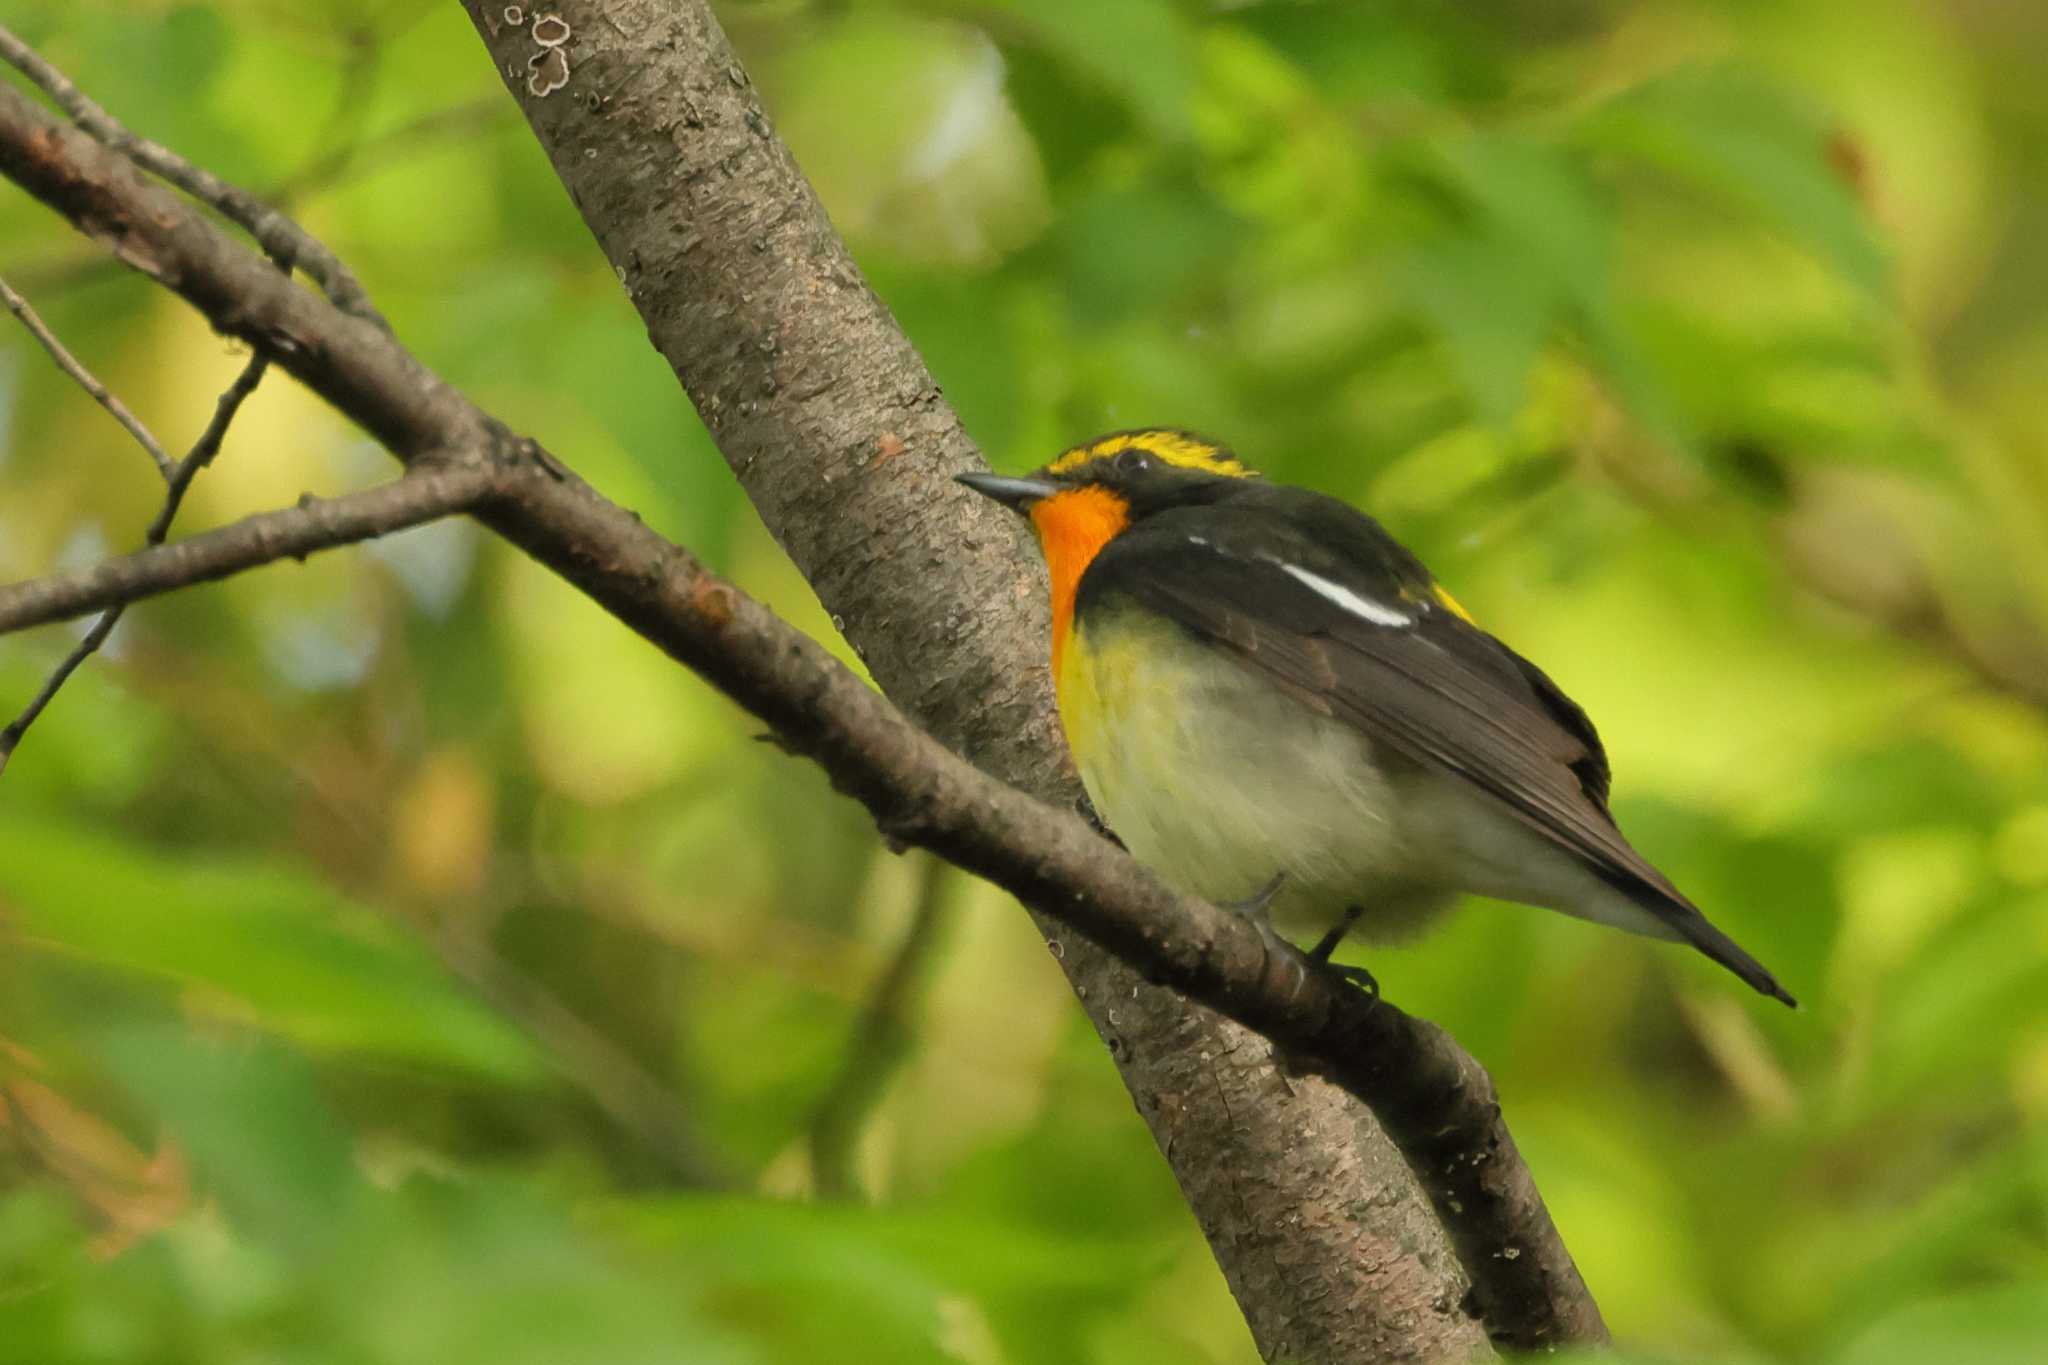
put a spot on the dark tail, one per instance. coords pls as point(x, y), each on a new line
point(1683, 916)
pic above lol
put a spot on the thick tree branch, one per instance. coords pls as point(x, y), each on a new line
point(1432, 1097)
point(425, 494)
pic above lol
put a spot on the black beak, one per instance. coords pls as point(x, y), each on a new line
point(1017, 494)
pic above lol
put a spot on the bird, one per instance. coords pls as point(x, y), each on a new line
point(1277, 708)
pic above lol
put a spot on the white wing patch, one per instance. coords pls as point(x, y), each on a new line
point(1363, 607)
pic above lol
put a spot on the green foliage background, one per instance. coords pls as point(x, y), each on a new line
point(398, 961)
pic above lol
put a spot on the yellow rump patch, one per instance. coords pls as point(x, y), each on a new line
point(1168, 447)
point(1451, 604)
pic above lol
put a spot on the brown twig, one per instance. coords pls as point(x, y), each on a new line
point(203, 450)
point(85, 378)
point(180, 478)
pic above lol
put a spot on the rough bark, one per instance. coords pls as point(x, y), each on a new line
point(1323, 1271)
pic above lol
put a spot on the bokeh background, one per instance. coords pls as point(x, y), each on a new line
point(399, 961)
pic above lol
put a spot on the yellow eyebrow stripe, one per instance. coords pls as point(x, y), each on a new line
point(1168, 447)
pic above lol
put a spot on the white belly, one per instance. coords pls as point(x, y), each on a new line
point(1217, 781)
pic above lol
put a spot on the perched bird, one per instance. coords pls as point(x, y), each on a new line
point(1275, 706)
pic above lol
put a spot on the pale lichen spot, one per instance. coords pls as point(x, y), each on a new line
point(547, 72)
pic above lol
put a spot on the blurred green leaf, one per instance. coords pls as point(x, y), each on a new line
point(1961, 1002)
point(269, 937)
point(872, 1284)
point(1140, 51)
point(1917, 781)
point(255, 1125)
point(1135, 254)
point(1994, 1326)
point(910, 138)
point(486, 1272)
point(1493, 310)
point(1747, 142)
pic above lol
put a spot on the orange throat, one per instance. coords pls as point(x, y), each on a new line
point(1072, 527)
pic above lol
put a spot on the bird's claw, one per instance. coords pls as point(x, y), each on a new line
point(1275, 945)
point(1256, 909)
point(1356, 976)
point(1327, 944)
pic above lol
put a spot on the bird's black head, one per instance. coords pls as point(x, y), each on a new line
point(1145, 471)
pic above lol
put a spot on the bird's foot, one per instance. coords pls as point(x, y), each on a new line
point(1085, 808)
point(1256, 909)
point(1357, 976)
point(1277, 946)
point(1327, 944)
point(1315, 959)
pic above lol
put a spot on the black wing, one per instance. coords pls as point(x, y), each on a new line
point(1347, 621)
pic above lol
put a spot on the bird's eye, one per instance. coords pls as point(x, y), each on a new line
point(1133, 462)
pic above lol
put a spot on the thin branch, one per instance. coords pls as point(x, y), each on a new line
point(427, 493)
point(881, 1041)
point(208, 445)
point(85, 379)
point(87, 646)
point(357, 368)
point(276, 233)
point(1432, 1098)
point(181, 475)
